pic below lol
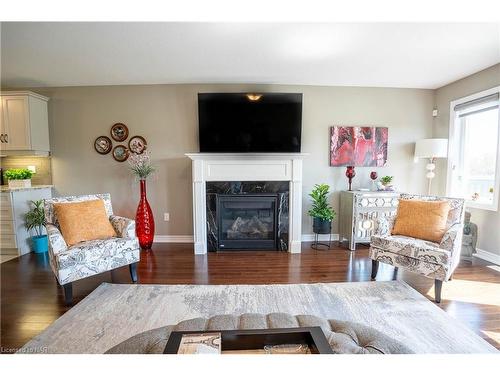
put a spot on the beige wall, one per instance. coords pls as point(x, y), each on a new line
point(166, 115)
point(488, 221)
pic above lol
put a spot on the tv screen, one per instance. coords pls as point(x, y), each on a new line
point(267, 122)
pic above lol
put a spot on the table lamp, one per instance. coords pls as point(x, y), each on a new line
point(431, 149)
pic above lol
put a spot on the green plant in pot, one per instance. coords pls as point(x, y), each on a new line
point(18, 178)
point(35, 221)
point(386, 180)
point(321, 212)
point(387, 183)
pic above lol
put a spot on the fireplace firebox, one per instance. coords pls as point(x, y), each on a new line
point(247, 221)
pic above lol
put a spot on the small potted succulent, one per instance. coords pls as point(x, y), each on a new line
point(321, 212)
point(18, 178)
point(386, 183)
point(35, 221)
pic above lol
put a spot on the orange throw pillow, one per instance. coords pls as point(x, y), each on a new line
point(425, 220)
point(83, 221)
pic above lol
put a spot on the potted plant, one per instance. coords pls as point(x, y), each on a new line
point(35, 220)
point(321, 212)
point(386, 182)
point(18, 178)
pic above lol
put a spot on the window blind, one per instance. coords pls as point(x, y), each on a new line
point(478, 105)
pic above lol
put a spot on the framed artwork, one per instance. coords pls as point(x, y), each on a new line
point(120, 153)
point(102, 145)
point(137, 144)
point(119, 132)
point(359, 146)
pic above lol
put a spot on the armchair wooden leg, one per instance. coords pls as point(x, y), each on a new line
point(68, 294)
point(374, 268)
point(438, 284)
point(133, 271)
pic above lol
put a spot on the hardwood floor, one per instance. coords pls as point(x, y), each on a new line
point(31, 299)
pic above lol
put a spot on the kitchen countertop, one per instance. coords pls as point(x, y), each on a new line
point(6, 189)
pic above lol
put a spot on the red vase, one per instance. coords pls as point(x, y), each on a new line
point(144, 221)
point(350, 173)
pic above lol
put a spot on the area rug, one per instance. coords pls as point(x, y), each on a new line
point(115, 312)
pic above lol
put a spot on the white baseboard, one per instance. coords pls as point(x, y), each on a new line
point(322, 237)
point(189, 238)
point(174, 238)
point(486, 255)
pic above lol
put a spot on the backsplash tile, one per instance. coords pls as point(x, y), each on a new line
point(43, 175)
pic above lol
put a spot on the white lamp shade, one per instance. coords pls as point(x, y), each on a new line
point(431, 148)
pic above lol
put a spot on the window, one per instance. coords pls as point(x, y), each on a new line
point(474, 156)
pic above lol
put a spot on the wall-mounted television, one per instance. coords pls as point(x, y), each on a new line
point(250, 122)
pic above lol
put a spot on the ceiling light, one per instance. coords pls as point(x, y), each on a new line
point(254, 97)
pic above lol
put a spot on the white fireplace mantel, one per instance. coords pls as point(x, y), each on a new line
point(246, 167)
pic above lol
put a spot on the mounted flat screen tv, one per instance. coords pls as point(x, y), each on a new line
point(267, 122)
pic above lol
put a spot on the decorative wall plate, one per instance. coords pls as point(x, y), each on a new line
point(120, 153)
point(137, 144)
point(119, 132)
point(103, 145)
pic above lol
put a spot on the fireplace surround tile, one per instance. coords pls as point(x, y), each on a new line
point(280, 188)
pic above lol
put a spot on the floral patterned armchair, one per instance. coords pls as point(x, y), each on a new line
point(434, 260)
point(92, 257)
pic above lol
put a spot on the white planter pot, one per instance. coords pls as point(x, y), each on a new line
point(19, 184)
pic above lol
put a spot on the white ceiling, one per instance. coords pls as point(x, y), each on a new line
point(414, 55)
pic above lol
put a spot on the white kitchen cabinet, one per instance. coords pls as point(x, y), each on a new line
point(14, 204)
point(24, 122)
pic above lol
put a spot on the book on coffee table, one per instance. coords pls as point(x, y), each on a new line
point(200, 343)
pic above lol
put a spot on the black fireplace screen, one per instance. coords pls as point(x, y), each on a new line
point(247, 221)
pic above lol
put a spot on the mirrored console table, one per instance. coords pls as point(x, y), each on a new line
point(359, 211)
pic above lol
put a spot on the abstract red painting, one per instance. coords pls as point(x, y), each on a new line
point(360, 146)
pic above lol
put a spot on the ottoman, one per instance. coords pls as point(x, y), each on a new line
point(344, 337)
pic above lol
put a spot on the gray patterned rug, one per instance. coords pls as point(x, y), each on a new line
point(115, 312)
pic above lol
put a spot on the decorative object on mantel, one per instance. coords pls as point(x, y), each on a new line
point(137, 144)
point(385, 184)
point(140, 165)
point(360, 146)
point(18, 178)
point(119, 132)
point(373, 177)
point(103, 145)
point(35, 220)
point(469, 238)
point(350, 173)
point(322, 214)
point(431, 149)
point(120, 153)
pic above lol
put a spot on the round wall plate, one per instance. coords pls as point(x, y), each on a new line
point(103, 145)
point(119, 132)
point(120, 153)
point(137, 144)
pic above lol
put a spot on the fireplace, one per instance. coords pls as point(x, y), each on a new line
point(247, 215)
point(278, 174)
point(247, 221)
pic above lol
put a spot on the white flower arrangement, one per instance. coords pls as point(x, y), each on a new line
point(140, 165)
